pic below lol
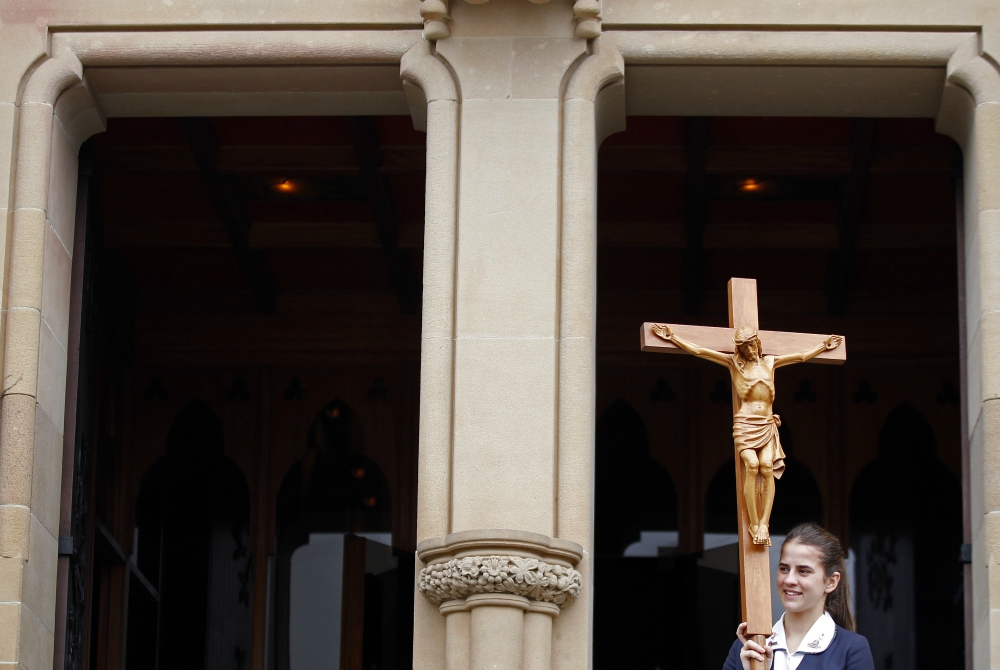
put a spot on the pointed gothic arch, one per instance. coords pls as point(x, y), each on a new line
point(634, 492)
point(192, 532)
point(906, 530)
point(636, 523)
point(333, 489)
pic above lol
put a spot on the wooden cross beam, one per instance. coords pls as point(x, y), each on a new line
point(755, 578)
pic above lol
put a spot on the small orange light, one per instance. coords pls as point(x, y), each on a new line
point(358, 473)
point(749, 185)
point(284, 186)
point(333, 412)
point(370, 501)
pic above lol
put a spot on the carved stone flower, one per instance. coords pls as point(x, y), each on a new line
point(468, 568)
point(492, 569)
point(524, 570)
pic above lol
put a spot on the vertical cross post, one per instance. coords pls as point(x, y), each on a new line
point(755, 577)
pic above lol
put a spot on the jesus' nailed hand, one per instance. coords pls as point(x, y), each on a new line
point(755, 425)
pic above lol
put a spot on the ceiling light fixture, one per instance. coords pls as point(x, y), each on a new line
point(285, 186)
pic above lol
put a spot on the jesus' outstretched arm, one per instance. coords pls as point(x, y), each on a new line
point(831, 343)
point(663, 331)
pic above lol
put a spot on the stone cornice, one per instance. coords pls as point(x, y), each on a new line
point(217, 48)
point(883, 48)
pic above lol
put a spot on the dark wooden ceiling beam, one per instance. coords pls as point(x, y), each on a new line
point(227, 198)
point(333, 161)
point(803, 234)
point(322, 160)
point(263, 235)
point(774, 160)
point(850, 212)
point(695, 212)
point(364, 137)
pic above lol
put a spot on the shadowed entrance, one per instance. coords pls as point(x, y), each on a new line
point(254, 310)
point(849, 227)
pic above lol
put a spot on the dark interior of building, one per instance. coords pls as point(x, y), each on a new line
point(250, 334)
point(250, 323)
point(849, 227)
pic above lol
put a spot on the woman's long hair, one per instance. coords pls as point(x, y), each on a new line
point(838, 602)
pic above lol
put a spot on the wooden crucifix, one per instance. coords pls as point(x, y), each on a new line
point(751, 356)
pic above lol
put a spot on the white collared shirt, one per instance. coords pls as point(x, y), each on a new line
point(816, 640)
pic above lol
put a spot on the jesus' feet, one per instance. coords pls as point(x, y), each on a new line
point(760, 535)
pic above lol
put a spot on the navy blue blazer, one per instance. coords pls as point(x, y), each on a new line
point(847, 651)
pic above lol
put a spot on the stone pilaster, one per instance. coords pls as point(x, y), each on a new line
point(55, 114)
point(970, 113)
point(515, 104)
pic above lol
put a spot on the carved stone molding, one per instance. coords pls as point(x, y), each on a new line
point(517, 563)
point(588, 18)
point(603, 67)
point(976, 75)
point(436, 19)
point(530, 578)
point(587, 14)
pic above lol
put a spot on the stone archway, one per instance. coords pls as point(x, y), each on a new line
point(333, 490)
point(634, 493)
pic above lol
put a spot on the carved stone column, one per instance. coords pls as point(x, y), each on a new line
point(515, 104)
point(499, 592)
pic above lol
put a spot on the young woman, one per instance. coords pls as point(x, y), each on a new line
point(816, 632)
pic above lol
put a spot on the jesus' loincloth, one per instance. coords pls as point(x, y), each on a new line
point(756, 432)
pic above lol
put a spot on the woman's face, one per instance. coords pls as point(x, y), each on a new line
point(802, 583)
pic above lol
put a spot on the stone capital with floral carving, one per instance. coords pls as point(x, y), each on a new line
point(516, 563)
point(530, 578)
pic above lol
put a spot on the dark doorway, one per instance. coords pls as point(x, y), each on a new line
point(906, 530)
point(849, 227)
point(262, 266)
point(333, 492)
point(635, 491)
point(334, 487)
point(192, 532)
point(635, 534)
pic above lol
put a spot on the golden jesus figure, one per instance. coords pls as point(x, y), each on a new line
point(755, 425)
